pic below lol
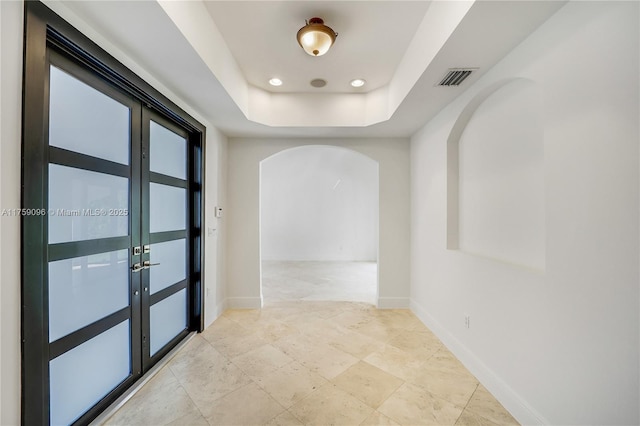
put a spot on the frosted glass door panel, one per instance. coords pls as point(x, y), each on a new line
point(84, 120)
point(172, 268)
point(85, 205)
point(167, 206)
point(168, 152)
point(168, 318)
point(85, 289)
point(87, 373)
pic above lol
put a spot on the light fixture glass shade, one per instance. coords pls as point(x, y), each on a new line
point(315, 37)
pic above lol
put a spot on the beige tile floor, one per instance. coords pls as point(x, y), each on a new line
point(310, 280)
point(313, 362)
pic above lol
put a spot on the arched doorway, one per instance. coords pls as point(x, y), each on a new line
point(319, 225)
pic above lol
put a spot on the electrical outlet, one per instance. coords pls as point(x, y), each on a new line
point(467, 321)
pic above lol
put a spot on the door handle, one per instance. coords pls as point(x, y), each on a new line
point(147, 264)
point(137, 267)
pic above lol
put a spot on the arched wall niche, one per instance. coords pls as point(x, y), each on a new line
point(495, 176)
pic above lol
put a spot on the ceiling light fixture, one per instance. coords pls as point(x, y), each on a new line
point(315, 37)
point(358, 82)
point(275, 82)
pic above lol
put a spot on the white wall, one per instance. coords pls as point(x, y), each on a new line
point(10, 116)
point(11, 33)
point(243, 214)
point(557, 343)
point(214, 229)
point(319, 203)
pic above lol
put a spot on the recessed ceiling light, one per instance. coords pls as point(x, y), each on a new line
point(275, 82)
point(358, 82)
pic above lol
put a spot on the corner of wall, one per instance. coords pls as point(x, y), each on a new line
point(244, 302)
point(393, 303)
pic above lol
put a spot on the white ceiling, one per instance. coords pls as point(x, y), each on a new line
point(372, 39)
point(215, 56)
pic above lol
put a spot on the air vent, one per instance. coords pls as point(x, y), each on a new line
point(455, 76)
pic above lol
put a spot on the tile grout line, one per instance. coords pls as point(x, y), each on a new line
point(168, 366)
point(468, 401)
point(228, 360)
point(254, 324)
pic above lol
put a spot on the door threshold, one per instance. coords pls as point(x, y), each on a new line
point(118, 403)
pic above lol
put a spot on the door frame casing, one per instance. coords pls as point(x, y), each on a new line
point(45, 30)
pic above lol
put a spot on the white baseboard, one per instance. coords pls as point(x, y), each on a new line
point(393, 303)
point(518, 407)
point(244, 302)
point(294, 258)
